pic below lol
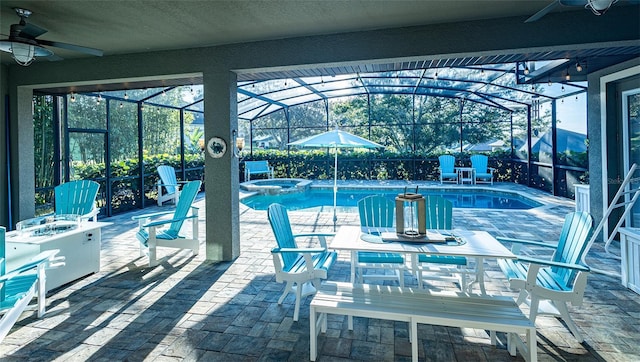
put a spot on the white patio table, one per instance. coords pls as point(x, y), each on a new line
point(472, 244)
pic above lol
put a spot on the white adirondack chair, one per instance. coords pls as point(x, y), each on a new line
point(20, 285)
point(301, 268)
point(482, 172)
point(150, 235)
point(168, 185)
point(77, 197)
point(447, 169)
point(551, 284)
point(377, 211)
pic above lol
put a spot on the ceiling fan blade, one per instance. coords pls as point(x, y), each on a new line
point(53, 58)
point(543, 12)
point(573, 2)
point(77, 48)
point(31, 31)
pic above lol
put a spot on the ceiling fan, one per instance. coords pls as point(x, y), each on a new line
point(598, 7)
point(24, 47)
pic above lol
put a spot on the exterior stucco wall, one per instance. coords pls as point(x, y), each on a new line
point(599, 199)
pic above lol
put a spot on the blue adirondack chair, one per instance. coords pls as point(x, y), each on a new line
point(257, 168)
point(78, 198)
point(448, 169)
point(377, 211)
point(302, 269)
point(20, 285)
point(151, 236)
point(439, 215)
point(168, 185)
point(550, 284)
point(483, 174)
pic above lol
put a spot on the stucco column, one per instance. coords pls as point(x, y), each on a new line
point(22, 161)
point(221, 174)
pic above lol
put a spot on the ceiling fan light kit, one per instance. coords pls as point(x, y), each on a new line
point(599, 7)
point(23, 53)
point(24, 47)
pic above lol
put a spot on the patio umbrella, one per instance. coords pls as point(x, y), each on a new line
point(335, 139)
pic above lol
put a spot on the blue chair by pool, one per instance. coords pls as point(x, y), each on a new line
point(483, 173)
point(439, 215)
point(448, 169)
point(377, 212)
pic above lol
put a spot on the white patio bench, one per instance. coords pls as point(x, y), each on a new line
point(257, 168)
point(453, 309)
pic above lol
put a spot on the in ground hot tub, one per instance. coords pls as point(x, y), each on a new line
point(276, 186)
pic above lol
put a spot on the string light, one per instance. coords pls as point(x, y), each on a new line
point(550, 84)
point(567, 76)
point(99, 100)
point(562, 89)
point(73, 97)
point(526, 70)
point(121, 105)
point(126, 96)
point(435, 76)
point(578, 67)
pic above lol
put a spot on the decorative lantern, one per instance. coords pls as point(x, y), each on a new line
point(411, 214)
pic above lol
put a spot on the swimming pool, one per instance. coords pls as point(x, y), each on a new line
point(347, 199)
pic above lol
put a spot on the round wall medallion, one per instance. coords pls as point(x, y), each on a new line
point(216, 147)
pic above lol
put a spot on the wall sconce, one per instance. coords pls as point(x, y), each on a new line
point(238, 143)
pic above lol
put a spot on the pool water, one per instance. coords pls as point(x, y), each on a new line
point(348, 198)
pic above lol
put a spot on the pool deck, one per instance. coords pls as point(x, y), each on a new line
point(188, 308)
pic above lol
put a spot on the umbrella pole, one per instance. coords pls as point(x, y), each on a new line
point(335, 188)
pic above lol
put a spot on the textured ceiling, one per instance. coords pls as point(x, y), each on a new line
point(120, 27)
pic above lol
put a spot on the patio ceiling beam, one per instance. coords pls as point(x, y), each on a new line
point(543, 73)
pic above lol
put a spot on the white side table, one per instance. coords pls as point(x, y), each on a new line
point(466, 174)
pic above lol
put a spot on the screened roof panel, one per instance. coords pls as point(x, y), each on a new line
point(251, 103)
point(251, 114)
point(198, 106)
point(289, 93)
point(504, 86)
point(345, 92)
point(302, 99)
point(336, 84)
point(133, 94)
